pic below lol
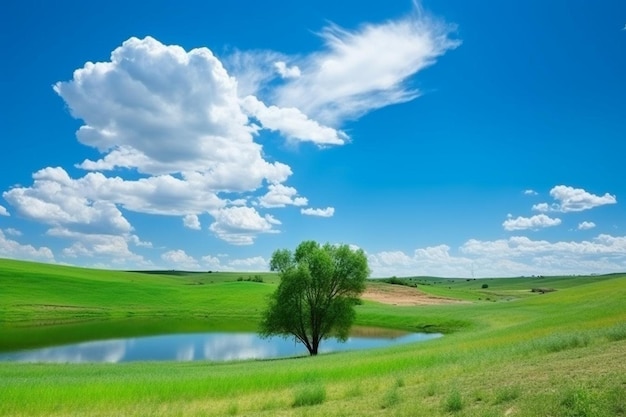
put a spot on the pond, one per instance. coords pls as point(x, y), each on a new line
point(212, 346)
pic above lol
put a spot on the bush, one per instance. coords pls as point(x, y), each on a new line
point(484, 286)
point(391, 398)
point(310, 394)
point(453, 402)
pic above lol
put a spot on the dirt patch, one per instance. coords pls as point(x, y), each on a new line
point(401, 295)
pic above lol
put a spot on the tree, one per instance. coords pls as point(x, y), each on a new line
point(319, 287)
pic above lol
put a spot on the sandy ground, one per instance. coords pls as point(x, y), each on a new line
point(402, 296)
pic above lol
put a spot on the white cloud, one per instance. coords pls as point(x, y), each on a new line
point(15, 250)
point(292, 123)
point(523, 246)
point(191, 221)
point(365, 69)
point(542, 207)
point(534, 222)
point(135, 240)
point(3, 211)
point(280, 196)
point(530, 192)
point(586, 225)
point(178, 259)
point(327, 212)
point(433, 260)
point(515, 256)
point(105, 247)
point(56, 199)
point(576, 199)
point(13, 232)
point(285, 71)
point(162, 110)
point(253, 264)
point(240, 225)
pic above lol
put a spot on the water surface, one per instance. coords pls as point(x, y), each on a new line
point(214, 346)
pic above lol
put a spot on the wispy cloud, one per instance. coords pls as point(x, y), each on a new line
point(356, 71)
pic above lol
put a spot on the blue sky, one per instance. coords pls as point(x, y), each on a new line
point(459, 139)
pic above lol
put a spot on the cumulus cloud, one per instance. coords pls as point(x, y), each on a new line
point(280, 196)
point(240, 225)
point(56, 199)
point(12, 249)
point(191, 221)
point(327, 212)
point(292, 123)
point(101, 246)
point(252, 264)
point(542, 207)
point(3, 211)
point(576, 199)
point(534, 222)
point(515, 256)
point(178, 259)
point(586, 225)
point(530, 192)
point(167, 113)
point(523, 246)
point(432, 260)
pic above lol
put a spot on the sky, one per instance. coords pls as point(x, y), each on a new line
point(454, 139)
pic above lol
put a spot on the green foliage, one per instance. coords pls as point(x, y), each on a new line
point(506, 394)
point(309, 394)
point(319, 287)
point(484, 286)
point(407, 282)
point(391, 398)
point(453, 402)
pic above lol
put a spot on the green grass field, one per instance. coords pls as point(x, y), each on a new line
point(507, 351)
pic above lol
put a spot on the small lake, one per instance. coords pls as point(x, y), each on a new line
point(204, 346)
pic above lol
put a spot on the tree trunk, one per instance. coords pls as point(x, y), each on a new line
point(313, 348)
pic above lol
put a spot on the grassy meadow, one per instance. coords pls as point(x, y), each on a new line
point(507, 351)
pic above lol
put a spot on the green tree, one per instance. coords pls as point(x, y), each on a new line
point(319, 287)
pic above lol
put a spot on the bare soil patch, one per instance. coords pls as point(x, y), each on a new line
point(401, 295)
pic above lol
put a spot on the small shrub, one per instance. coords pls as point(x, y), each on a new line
point(579, 403)
point(616, 333)
point(506, 394)
point(453, 402)
point(431, 389)
point(558, 343)
point(310, 394)
point(484, 286)
point(391, 398)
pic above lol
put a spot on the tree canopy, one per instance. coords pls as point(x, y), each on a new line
point(319, 287)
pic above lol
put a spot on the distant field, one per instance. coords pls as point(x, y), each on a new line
point(507, 351)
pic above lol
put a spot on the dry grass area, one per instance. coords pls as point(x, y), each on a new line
point(401, 295)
